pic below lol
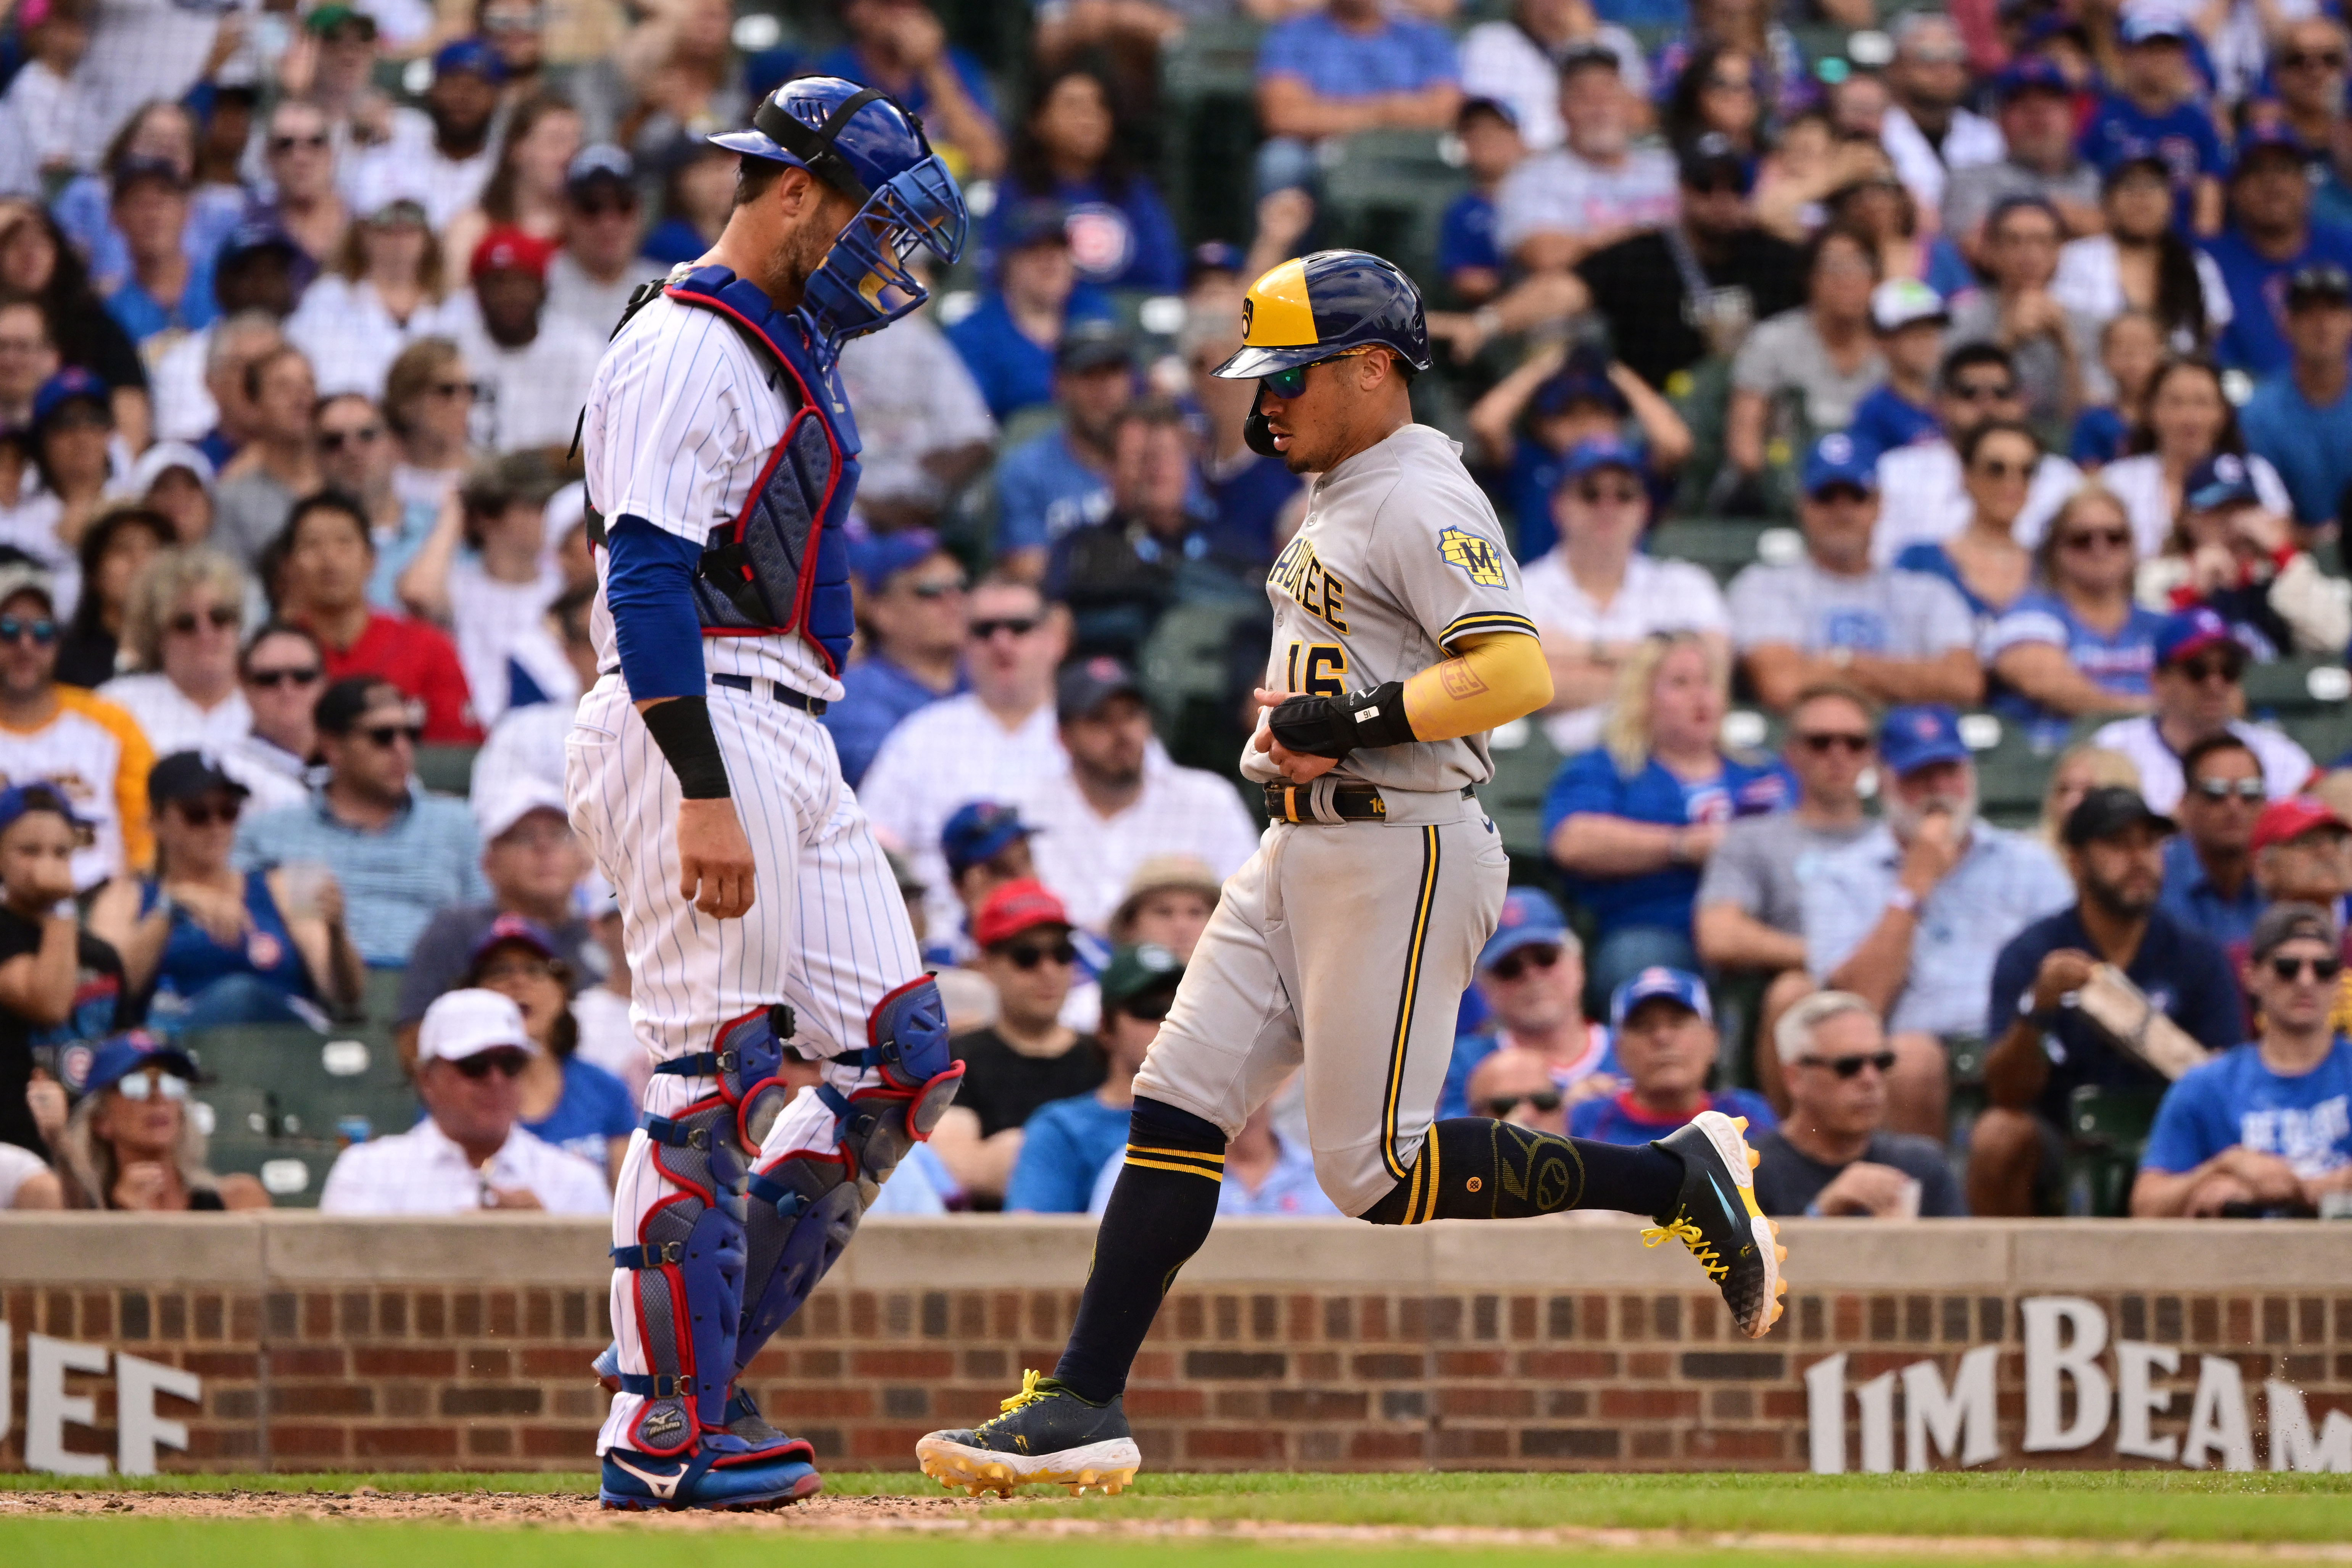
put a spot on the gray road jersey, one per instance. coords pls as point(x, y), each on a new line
point(1399, 556)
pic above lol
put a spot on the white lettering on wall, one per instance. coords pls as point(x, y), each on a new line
point(138, 1430)
point(1962, 1422)
point(2049, 1356)
point(2292, 1447)
point(2137, 1400)
point(2217, 1417)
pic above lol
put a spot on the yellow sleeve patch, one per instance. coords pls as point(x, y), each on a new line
point(1474, 555)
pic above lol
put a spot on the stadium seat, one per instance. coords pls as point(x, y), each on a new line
point(308, 1086)
point(2107, 1128)
point(1525, 764)
point(292, 1170)
point(1206, 79)
point(1722, 545)
point(1386, 192)
point(446, 770)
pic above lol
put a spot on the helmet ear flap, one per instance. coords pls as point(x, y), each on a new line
point(1256, 434)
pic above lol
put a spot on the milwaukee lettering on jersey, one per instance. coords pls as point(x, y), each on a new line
point(1298, 574)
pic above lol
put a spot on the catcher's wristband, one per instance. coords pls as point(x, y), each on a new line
point(1334, 726)
point(681, 728)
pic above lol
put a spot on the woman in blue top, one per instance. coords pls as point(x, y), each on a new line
point(1634, 821)
point(1121, 233)
point(575, 1105)
point(2078, 644)
point(1984, 560)
point(212, 945)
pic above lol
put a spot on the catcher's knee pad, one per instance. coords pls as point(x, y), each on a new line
point(907, 1050)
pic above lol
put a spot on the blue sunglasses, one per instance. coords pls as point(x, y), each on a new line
point(43, 631)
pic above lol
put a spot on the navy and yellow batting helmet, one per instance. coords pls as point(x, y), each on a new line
point(1321, 305)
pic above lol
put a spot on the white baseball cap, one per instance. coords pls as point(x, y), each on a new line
point(462, 1024)
point(504, 803)
point(1900, 303)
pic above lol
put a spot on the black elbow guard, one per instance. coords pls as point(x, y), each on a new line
point(681, 728)
point(1334, 726)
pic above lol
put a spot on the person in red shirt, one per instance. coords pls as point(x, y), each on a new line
point(316, 571)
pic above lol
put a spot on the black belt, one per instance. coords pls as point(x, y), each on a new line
point(1349, 803)
point(811, 705)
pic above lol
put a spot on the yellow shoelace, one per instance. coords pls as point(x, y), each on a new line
point(1685, 1231)
point(1030, 1394)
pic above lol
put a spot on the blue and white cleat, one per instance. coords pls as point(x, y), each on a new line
point(722, 1478)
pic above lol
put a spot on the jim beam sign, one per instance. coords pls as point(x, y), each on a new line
point(2066, 1350)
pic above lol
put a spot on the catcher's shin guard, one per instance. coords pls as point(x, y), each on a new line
point(686, 1266)
point(805, 1201)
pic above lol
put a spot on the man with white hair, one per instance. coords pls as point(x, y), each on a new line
point(1832, 1154)
point(1911, 916)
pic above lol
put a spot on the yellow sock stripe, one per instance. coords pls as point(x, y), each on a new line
point(1163, 1158)
point(1413, 1197)
point(1216, 1177)
point(1429, 1158)
point(1176, 1154)
point(1407, 991)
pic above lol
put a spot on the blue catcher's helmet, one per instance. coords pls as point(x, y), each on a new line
point(1314, 307)
point(866, 145)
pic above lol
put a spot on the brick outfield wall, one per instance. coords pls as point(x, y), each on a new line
point(465, 1344)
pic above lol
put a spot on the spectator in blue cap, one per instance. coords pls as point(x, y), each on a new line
point(2200, 669)
point(1561, 397)
point(1059, 480)
point(73, 447)
point(589, 279)
point(166, 290)
point(1010, 339)
point(441, 157)
point(2270, 237)
point(2154, 107)
point(2239, 558)
point(1598, 594)
point(910, 605)
point(58, 984)
point(1666, 1048)
point(985, 845)
point(2036, 120)
point(1911, 916)
point(2300, 417)
point(1531, 976)
point(1634, 821)
point(131, 1142)
point(1897, 637)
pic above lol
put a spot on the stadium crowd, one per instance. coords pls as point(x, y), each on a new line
point(2013, 346)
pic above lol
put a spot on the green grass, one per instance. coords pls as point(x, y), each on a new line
point(2144, 1505)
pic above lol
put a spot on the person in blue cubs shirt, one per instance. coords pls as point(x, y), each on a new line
point(1531, 980)
point(1065, 1143)
point(2155, 112)
point(2265, 1128)
point(1467, 256)
point(2271, 237)
point(1067, 152)
point(1632, 821)
point(1664, 1028)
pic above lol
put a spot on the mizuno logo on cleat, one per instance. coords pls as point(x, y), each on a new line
point(662, 1486)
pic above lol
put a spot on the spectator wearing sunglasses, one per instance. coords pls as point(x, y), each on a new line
point(208, 945)
point(1597, 593)
point(2044, 1047)
point(1832, 1155)
point(181, 627)
point(2233, 554)
point(2265, 1129)
point(1028, 1057)
point(317, 570)
point(1665, 1044)
point(987, 846)
point(1515, 1085)
point(93, 753)
point(2197, 692)
point(131, 1142)
point(912, 605)
point(2208, 872)
point(471, 1151)
point(400, 855)
point(1531, 977)
point(990, 743)
point(2076, 643)
point(567, 1100)
point(358, 459)
point(281, 671)
point(1923, 496)
point(589, 279)
point(1067, 1142)
point(58, 984)
point(1896, 637)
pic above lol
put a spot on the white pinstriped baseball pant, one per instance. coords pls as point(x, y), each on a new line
point(827, 931)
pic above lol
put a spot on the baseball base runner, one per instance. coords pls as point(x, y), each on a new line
point(1400, 638)
point(760, 916)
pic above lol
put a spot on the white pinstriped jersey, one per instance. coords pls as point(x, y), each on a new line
point(1399, 556)
point(682, 414)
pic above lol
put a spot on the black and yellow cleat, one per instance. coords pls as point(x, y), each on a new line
point(1045, 1433)
point(1715, 1216)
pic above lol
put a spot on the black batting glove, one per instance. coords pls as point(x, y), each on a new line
point(1334, 726)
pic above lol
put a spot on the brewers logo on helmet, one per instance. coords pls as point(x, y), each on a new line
point(1317, 306)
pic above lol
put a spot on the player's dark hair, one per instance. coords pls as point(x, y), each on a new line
point(754, 176)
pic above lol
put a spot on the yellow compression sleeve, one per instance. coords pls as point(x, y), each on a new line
point(1498, 676)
